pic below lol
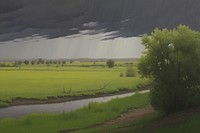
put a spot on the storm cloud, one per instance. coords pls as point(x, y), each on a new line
point(126, 18)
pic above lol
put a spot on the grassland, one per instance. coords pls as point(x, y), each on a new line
point(78, 78)
point(189, 125)
point(135, 126)
point(95, 113)
point(41, 81)
point(151, 123)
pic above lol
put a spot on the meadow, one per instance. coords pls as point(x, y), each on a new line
point(77, 79)
point(71, 79)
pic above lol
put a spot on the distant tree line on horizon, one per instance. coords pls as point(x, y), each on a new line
point(40, 61)
point(110, 63)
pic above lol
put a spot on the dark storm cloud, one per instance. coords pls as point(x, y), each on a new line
point(7, 6)
point(58, 18)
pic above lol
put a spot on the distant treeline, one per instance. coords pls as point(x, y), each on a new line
point(40, 61)
point(6, 65)
point(34, 62)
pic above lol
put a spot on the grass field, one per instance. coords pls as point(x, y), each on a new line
point(94, 113)
point(191, 124)
point(136, 126)
point(41, 81)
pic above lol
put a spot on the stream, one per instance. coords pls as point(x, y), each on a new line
point(23, 110)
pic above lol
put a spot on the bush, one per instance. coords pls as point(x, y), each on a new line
point(130, 72)
point(121, 74)
point(110, 63)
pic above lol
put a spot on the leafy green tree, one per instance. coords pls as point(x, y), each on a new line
point(50, 62)
point(40, 61)
point(47, 62)
point(32, 62)
point(71, 61)
point(55, 62)
point(110, 63)
point(18, 63)
point(172, 61)
point(26, 62)
point(63, 62)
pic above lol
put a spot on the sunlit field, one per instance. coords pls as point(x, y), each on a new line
point(78, 78)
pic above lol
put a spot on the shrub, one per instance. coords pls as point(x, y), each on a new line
point(121, 74)
point(130, 72)
point(110, 63)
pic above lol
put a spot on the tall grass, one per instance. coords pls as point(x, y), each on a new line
point(95, 113)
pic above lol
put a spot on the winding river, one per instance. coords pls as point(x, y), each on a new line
point(23, 110)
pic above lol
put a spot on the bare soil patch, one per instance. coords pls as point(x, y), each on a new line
point(134, 114)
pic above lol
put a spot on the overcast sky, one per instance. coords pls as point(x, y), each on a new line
point(30, 28)
point(76, 46)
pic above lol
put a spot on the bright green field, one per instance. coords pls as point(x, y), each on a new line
point(41, 81)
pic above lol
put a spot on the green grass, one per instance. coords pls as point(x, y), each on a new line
point(3, 104)
point(127, 127)
point(41, 81)
point(191, 126)
point(137, 126)
point(95, 113)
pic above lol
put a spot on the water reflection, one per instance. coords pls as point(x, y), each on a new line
point(23, 110)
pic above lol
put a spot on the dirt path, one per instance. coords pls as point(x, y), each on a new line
point(170, 120)
point(131, 115)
